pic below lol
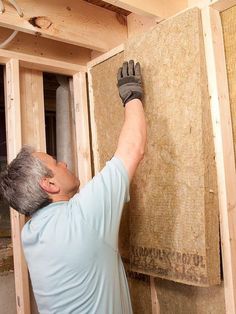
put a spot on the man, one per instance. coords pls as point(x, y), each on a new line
point(71, 241)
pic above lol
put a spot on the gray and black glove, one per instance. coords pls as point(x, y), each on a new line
point(129, 82)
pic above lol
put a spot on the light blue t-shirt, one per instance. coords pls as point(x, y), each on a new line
point(71, 249)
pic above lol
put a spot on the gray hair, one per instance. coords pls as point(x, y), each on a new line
point(19, 183)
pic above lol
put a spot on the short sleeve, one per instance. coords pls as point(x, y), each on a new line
point(100, 202)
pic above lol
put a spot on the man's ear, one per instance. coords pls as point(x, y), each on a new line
point(48, 185)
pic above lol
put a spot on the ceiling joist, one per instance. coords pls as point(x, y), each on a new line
point(75, 22)
point(44, 47)
point(154, 8)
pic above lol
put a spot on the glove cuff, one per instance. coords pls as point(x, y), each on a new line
point(131, 96)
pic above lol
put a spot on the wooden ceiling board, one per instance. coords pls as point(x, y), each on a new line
point(108, 6)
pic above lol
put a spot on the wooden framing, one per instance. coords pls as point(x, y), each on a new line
point(23, 73)
point(224, 150)
point(219, 5)
point(105, 56)
point(82, 127)
point(32, 109)
point(161, 9)
point(43, 47)
point(221, 119)
point(40, 63)
point(138, 23)
point(222, 5)
point(155, 303)
point(67, 21)
point(13, 128)
point(96, 159)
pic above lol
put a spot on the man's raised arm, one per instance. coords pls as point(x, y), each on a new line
point(132, 138)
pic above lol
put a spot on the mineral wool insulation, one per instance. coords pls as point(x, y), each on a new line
point(171, 224)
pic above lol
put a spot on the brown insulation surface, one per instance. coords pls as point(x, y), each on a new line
point(176, 298)
point(140, 292)
point(173, 223)
point(229, 29)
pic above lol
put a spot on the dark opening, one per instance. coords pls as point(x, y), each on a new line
point(50, 85)
point(6, 260)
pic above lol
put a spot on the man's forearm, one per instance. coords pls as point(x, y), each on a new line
point(132, 138)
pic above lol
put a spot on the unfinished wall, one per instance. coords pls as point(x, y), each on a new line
point(140, 292)
point(171, 227)
point(228, 18)
point(176, 298)
point(173, 210)
point(7, 284)
point(175, 193)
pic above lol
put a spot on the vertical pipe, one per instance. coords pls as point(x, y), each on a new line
point(63, 123)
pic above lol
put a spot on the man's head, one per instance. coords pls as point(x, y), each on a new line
point(63, 184)
point(33, 180)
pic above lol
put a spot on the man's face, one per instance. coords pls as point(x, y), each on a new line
point(63, 178)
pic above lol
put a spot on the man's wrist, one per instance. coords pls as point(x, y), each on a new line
point(133, 101)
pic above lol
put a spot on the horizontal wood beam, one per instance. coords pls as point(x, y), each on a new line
point(41, 64)
point(222, 5)
point(105, 56)
point(138, 24)
point(219, 5)
point(75, 22)
point(44, 47)
point(157, 8)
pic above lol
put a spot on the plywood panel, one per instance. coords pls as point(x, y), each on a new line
point(229, 28)
point(173, 224)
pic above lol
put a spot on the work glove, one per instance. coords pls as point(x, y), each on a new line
point(129, 82)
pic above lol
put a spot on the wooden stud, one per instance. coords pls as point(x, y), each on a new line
point(73, 126)
point(90, 65)
point(224, 150)
point(13, 128)
point(96, 157)
point(41, 64)
point(32, 109)
point(155, 302)
point(82, 127)
point(74, 22)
